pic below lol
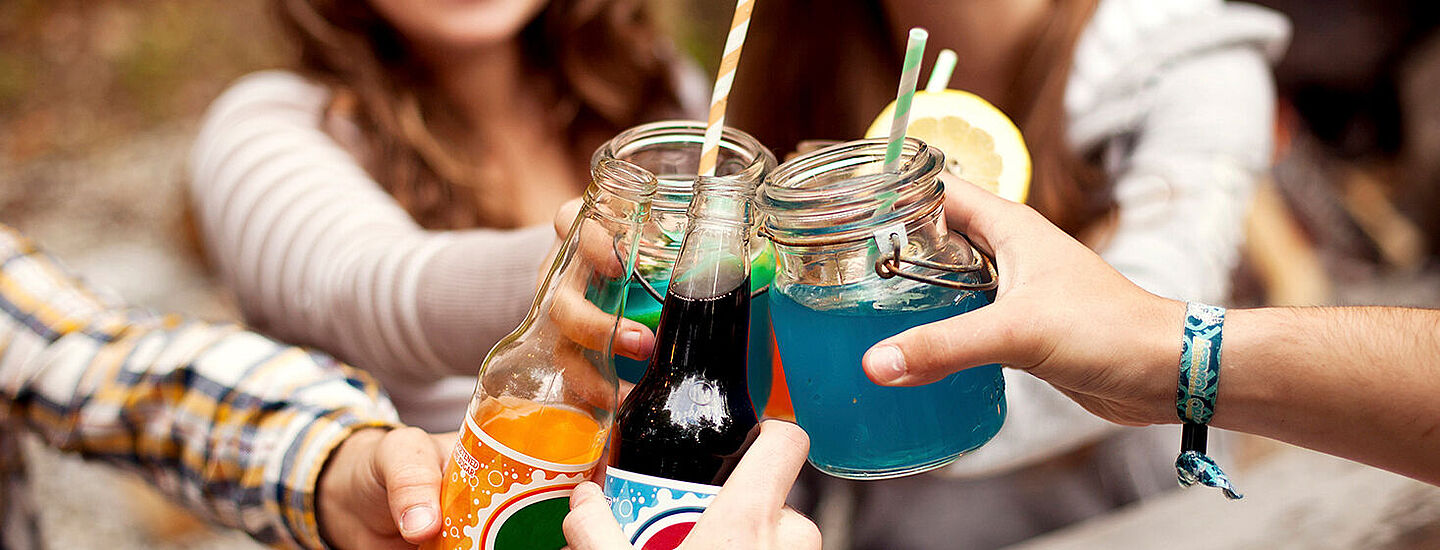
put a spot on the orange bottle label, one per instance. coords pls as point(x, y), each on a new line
point(508, 482)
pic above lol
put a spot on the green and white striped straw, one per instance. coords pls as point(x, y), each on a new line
point(909, 76)
point(942, 71)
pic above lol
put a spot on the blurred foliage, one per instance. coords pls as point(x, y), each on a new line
point(698, 27)
point(74, 73)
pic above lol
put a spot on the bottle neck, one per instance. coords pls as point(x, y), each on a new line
point(578, 304)
point(714, 259)
point(705, 337)
point(705, 323)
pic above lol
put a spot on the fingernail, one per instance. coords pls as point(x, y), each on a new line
point(885, 363)
point(416, 518)
point(631, 340)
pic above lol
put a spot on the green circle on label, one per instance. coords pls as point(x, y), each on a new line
point(535, 527)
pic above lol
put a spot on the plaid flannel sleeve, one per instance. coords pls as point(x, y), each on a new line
point(232, 424)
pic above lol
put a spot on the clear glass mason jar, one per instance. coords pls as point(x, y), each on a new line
point(862, 255)
point(671, 150)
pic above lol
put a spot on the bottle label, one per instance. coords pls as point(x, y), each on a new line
point(496, 498)
point(655, 513)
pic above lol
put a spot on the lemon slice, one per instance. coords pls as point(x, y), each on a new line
point(981, 144)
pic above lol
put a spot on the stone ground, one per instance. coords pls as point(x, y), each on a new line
point(117, 217)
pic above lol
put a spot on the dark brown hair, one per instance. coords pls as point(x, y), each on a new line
point(828, 69)
point(603, 59)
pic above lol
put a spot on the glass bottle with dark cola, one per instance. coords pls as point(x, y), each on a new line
point(684, 426)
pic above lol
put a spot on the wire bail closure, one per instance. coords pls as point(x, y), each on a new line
point(891, 261)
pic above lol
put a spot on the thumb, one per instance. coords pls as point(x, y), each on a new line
point(565, 215)
point(989, 220)
point(590, 525)
point(409, 464)
point(930, 352)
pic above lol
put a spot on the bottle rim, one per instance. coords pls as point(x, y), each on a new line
point(708, 204)
point(622, 180)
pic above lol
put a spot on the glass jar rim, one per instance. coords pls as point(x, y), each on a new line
point(672, 196)
point(803, 203)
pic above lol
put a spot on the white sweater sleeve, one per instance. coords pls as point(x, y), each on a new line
point(1186, 186)
point(319, 254)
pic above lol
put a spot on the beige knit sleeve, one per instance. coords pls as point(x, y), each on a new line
point(319, 254)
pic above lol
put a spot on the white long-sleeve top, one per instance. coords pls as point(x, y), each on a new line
point(319, 254)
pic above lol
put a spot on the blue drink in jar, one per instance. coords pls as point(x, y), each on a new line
point(861, 430)
point(861, 256)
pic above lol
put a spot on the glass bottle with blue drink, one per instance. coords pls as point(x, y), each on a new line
point(862, 255)
point(671, 151)
point(681, 430)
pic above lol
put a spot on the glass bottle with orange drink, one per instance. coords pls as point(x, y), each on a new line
point(546, 395)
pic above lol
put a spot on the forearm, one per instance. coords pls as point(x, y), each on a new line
point(477, 289)
point(1354, 382)
point(233, 424)
point(320, 254)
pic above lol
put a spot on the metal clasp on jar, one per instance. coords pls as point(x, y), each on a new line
point(890, 265)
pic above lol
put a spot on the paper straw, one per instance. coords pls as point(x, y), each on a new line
point(944, 67)
point(914, 51)
point(710, 151)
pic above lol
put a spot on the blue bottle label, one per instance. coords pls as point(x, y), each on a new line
point(655, 513)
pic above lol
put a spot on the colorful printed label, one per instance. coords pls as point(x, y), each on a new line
point(496, 498)
point(655, 513)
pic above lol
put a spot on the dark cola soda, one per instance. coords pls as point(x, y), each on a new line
point(691, 412)
point(686, 423)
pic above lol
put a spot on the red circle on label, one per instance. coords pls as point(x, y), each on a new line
point(669, 537)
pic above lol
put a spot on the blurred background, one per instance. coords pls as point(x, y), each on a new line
point(99, 101)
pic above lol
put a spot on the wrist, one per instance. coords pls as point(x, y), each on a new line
point(1158, 333)
point(341, 474)
point(1244, 392)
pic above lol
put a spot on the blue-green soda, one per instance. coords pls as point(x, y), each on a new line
point(862, 255)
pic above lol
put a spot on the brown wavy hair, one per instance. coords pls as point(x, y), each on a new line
point(603, 59)
point(827, 69)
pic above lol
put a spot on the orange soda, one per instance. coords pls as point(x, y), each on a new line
point(546, 393)
point(507, 484)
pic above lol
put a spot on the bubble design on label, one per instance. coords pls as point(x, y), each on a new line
point(651, 515)
point(472, 498)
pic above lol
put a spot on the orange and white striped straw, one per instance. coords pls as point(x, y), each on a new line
point(710, 151)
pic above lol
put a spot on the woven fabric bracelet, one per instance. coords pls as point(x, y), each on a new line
point(1195, 400)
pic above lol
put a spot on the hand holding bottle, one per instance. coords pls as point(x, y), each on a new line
point(580, 319)
point(382, 489)
point(749, 512)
